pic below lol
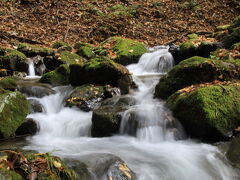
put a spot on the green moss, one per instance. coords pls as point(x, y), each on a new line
point(236, 46)
point(59, 76)
point(14, 108)
point(15, 54)
point(122, 10)
point(9, 175)
point(59, 44)
point(34, 50)
point(223, 27)
point(8, 83)
point(192, 36)
point(78, 45)
point(70, 58)
point(126, 51)
point(235, 23)
point(233, 38)
point(98, 62)
point(190, 5)
point(86, 52)
point(196, 70)
point(214, 110)
point(187, 46)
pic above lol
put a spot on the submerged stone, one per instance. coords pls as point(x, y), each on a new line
point(208, 111)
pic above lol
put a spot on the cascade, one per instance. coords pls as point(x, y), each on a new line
point(31, 69)
point(154, 153)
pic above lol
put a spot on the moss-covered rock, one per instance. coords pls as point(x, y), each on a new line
point(14, 108)
point(34, 50)
point(196, 70)
point(42, 166)
point(122, 50)
point(207, 112)
point(223, 27)
point(70, 58)
point(101, 70)
point(235, 23)
point(87, 97)
point(14, 60)
point(59, 76)
point(232, 38)
point(193, 36)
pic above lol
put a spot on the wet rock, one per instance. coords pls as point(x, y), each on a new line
point(58, 77)
point(196, 70)
point(101, 70)
point(207, 111)
point(39, 65)
point(87, 97)
point(106, 119)
point(14, 108)
point(35, 89)
point(234, 151)
point(108, 166)
point(35, 106)
point(29, 127)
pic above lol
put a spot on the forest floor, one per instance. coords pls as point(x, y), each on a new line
point(154, 22)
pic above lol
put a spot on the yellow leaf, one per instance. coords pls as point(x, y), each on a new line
point(57, 164)
point(131, 51)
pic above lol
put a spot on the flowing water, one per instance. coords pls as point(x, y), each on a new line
point(154, 153)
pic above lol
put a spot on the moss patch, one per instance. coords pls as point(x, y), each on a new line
point(196, 70)
point(124, 51)
point(208, 112)
point(70, 58)
point(14, 108)
point(59, 76)
point(9, 83)
point(59, 44)
point(86, 52)
point(34, 50)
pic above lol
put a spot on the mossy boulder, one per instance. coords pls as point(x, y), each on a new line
point(14, 60)
point(41, 166)
point(14, 108)
point(232, 38)
point(87, 97)
point(34, 50)
point(196, 70)
point(102, 71)
point(59, 76)
point(210, 111)
point(70, 58)
point(122, 50)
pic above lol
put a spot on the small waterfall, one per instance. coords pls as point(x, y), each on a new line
point(159, 61)
point(31, 69)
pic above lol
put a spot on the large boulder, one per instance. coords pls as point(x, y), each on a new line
point(101, 70)
point(14, 108)
point(35, 106)
point(27, 165)
point(122, 50)
point(70, 58)
point(87, 97)
point(59, 76)
point(14, 60)
point(196, 70)
point(208, 111)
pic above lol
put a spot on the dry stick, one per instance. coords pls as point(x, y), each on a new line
point(68, 28)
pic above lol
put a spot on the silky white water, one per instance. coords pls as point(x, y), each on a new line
point(154, 154)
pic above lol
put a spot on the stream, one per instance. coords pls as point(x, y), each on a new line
point(157, 151)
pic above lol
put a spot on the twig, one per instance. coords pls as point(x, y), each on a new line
point(68, 28)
